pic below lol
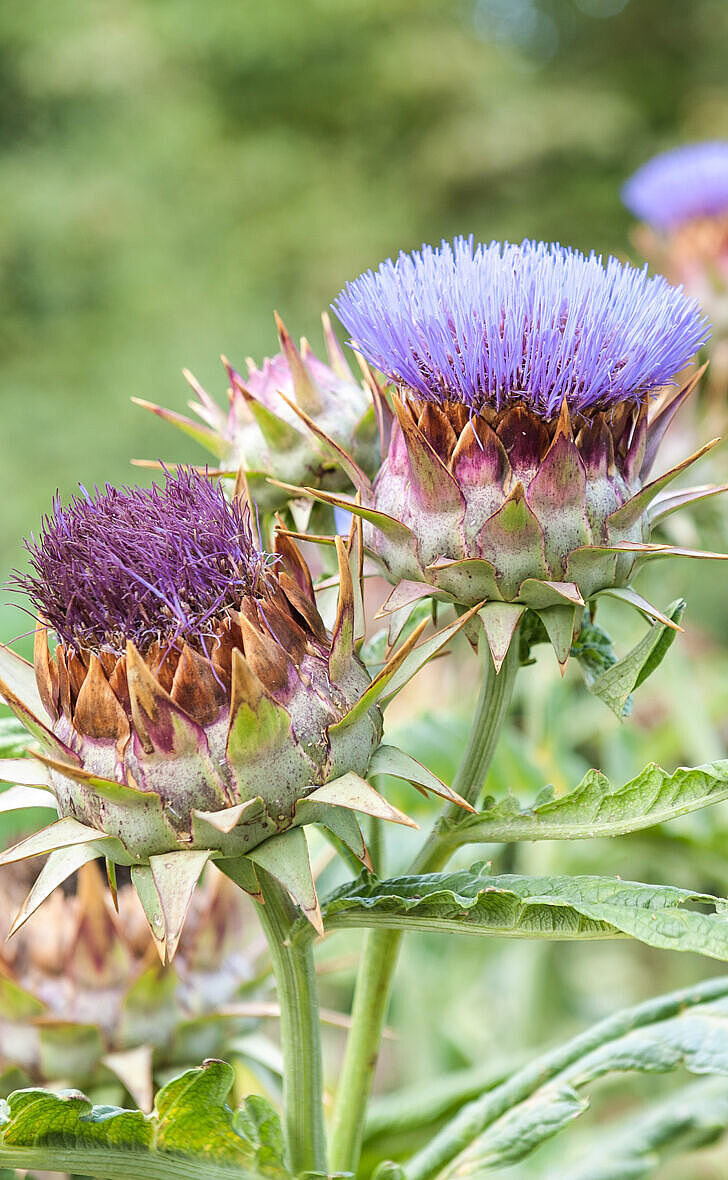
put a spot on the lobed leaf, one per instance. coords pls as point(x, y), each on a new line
point(510, 906)
point(192, 1135)
point(596, 807)
point(694, 1116)
point(686, 1029)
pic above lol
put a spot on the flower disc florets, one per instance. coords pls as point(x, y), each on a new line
point(500, 325)
point(515, 468)
point(157, 566)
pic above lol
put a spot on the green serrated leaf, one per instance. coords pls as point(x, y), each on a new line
point(615, 685)
point(510, 906)
point(596, 807)
point(38, 1118)
point(686, 1029)
point(192, 1135)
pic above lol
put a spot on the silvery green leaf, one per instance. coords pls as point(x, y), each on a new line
point(686, 1029)
point(510, 906)
point(596, 807)
point(694, 1116)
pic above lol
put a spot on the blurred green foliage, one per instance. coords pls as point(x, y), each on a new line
point(170, 172)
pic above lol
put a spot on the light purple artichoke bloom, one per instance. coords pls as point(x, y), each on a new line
point(502, 324)
point(680, 185)
point(517, 461)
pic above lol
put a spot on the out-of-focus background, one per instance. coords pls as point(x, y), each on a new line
point(170, 172)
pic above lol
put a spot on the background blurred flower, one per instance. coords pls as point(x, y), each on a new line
point(681, 199)
point(685, 184)
point(84, 1000)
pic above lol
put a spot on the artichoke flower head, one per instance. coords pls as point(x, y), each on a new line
point(195, 707)
point(517, 460)
point(286, 420)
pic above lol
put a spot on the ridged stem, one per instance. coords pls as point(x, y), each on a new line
point(381, 947)
point(300, 1029)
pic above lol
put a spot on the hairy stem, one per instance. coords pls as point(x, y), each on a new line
point(300, 1030)
point(381, 947)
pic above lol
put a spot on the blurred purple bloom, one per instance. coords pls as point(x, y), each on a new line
point(141, 564)
point(680, 185)
point(493, 325)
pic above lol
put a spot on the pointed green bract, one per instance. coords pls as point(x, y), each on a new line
point(391, 760)
point(175, 876)
point(286, 858)
point(62, 834)
point(352, 791)
point(61, 864)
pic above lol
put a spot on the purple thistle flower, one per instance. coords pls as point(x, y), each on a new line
point(680, 185)
point(148, 565)
point(490, 326)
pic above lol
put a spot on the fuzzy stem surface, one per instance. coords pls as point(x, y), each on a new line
point(381, 947)
point(295, 977)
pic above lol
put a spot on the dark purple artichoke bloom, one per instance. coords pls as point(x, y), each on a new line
point(685, 184)
point(517, 461)
point(195, 705)
point(158, 565)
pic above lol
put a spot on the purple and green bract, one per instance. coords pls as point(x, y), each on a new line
point(500, 324)
point(141, 564)
point(680, 185)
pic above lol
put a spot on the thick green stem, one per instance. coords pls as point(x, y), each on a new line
point(300, 1030)
point(381, 947)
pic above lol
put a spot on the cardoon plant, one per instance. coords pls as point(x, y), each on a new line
point(196, 707)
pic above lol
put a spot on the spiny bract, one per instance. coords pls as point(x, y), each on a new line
point(517, 461)
point(195, 706)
